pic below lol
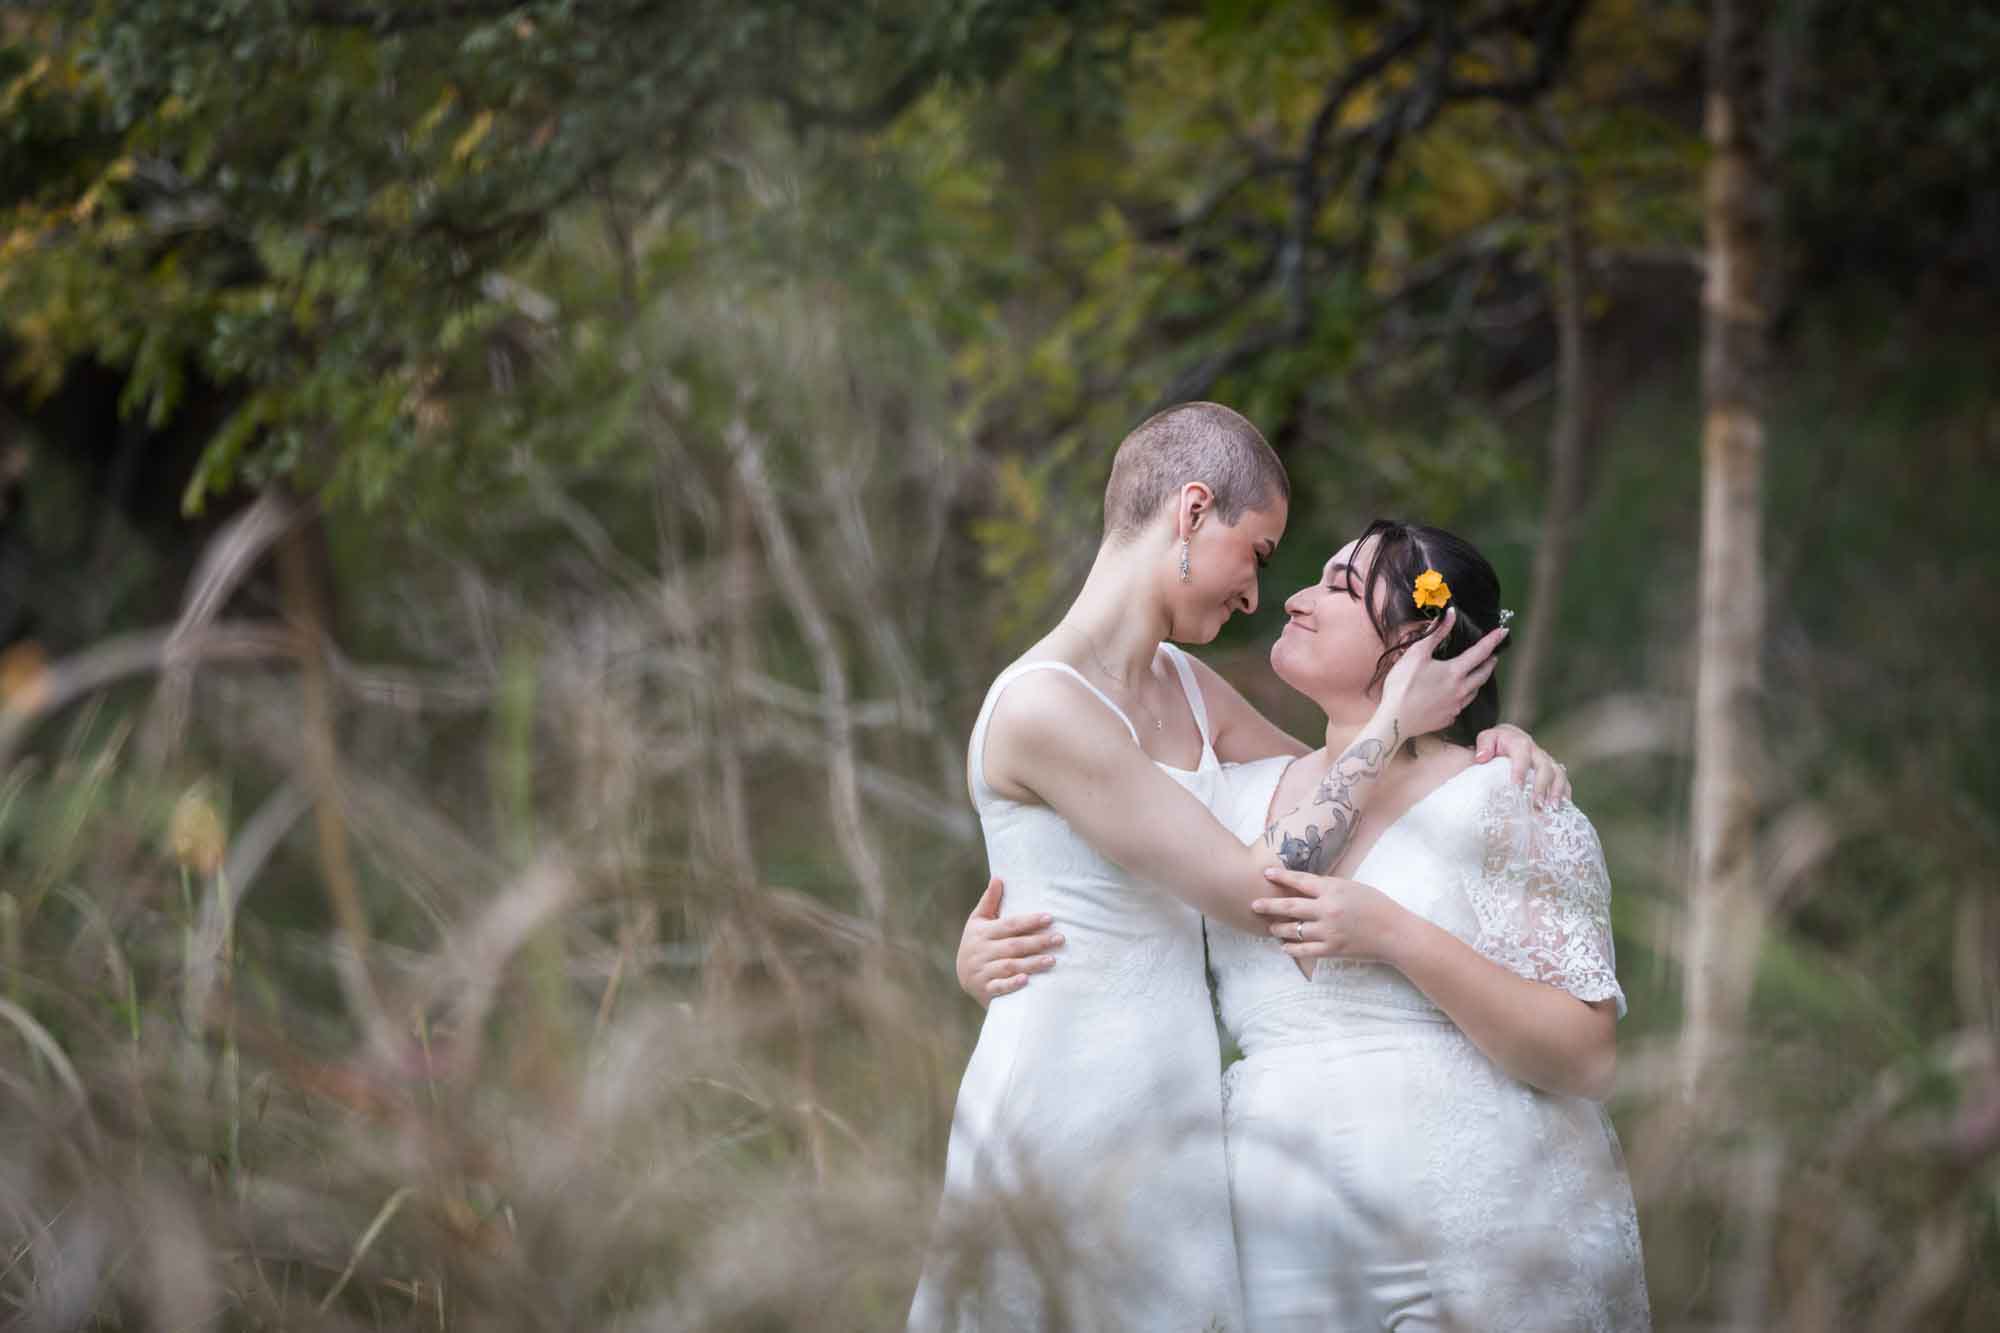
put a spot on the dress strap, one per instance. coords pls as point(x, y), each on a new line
point(976, 758)
point(1192, 687)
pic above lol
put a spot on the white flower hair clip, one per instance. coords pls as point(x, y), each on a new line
point(1505, 615)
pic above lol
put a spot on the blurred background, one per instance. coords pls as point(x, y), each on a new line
point(507, 511)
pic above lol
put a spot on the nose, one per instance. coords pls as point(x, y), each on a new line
point(1299, 602)
point(1247, 602)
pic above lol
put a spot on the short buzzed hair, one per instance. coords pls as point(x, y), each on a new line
point(1204, 442)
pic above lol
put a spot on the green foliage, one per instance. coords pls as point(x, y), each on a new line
point(315, 209)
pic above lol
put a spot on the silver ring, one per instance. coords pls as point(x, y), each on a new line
point(1299, 931)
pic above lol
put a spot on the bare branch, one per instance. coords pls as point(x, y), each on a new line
point(843, 789)
point(1371, 150)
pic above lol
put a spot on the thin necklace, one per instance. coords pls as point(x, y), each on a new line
point(1114, 677)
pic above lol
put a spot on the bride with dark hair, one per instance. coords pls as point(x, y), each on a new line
point(1414, 1134)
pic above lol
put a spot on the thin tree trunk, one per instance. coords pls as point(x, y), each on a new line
point(306, 610)
point(1725, 918)
point(1567, 440)
point(787, 566)
point(748, 890)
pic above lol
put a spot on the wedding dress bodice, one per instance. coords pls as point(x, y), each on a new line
point(1122, 937)
point(1451, 859)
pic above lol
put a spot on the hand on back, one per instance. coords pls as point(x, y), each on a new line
point(996, 954)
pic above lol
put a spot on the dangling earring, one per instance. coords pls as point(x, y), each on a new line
point(1185, 577)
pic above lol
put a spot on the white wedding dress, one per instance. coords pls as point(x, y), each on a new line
point(1086, 1185)
point(1384, 1173)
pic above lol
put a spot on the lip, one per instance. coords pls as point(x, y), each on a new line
point(1291, 625)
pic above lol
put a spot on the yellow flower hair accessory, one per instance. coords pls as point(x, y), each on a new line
point(1432, 593)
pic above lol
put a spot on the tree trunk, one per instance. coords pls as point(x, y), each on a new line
point(1567, 439)
point(1725, 917)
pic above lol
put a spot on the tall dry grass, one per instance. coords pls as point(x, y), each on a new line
point(556, 936)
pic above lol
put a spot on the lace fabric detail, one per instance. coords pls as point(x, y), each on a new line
point(1534, 1212)
point(1535, 1226)
point(1543, 897)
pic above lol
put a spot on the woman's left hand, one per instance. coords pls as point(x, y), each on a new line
point(1326, 916)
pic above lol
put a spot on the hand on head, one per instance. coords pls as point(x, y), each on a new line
point(1428, 694)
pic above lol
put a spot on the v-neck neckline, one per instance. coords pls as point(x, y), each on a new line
point(1308, 977)
point(1201, 760)
point(1408, 810)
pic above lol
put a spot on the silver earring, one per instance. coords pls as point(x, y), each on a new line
point(1185, 577)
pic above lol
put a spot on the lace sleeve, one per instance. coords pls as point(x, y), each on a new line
point(1543, 897)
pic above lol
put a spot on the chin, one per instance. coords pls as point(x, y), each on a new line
point(1281, 663)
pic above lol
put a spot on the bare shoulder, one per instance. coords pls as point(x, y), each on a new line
point(1043, 717)
point(1035, 702)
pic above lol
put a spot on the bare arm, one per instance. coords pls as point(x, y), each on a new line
point(1419, 695)
point(1312, 835)
point(1534, 1029)
point(1239, 732)
point(1049, 736)
point(1537, 1032)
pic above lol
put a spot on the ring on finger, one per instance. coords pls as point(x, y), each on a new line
point(1299, 931)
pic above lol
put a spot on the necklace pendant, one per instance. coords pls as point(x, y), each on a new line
point(1159, 725)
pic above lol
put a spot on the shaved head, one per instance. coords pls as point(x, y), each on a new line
point(1204, 442)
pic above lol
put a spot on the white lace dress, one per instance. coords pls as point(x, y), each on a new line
point(1384, 1173)
point(1085, 1183)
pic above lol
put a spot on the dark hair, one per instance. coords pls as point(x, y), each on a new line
point(1203, 442)
point(1403, 551)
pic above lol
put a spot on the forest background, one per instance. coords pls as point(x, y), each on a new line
point(507, 512)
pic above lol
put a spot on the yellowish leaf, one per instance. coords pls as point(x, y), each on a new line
point(475, 134)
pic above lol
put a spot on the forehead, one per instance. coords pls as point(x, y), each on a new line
point(1354, 555)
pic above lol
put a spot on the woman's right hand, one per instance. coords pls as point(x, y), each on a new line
point(1425, 694)
point(996, 955)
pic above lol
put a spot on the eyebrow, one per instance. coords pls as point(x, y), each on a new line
point(1328, 572)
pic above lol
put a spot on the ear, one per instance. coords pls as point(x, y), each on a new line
point(1196, 500)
